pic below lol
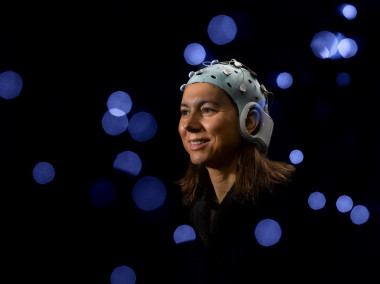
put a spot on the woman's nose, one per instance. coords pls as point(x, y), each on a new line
point(192, 123)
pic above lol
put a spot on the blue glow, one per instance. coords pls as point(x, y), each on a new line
point(359, 214)
point(119, 103)
point(10, 85)
point(149, 193)
point(184, 233)
point(316, 200)
point(344, 203)
point(114, 125)
point(102, 193)
point(347, 47)
point(221, 29)
point(128, 162)
point(324, 44)
point(343, 79)
point(296, 157)
point(268, 232)
point(142, 126)
point(284, 80)
point(339, 37)
point(194, 54)
point(123, 274)
point(348, 11)
point(43, 172)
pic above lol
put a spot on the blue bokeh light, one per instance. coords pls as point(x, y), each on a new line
point(343, 79)
point(119, 103)
point(184, 233)
point(114, 125)
point(221, 29)
point(11, 84)
point(344, 203)
point(316, 200)
point(284, 80)
point(348, 11)
point(128, 162)
point(324, 44)
point(123, 274)
point(142, 126)
point(149, 193)
point(268, 232)
point(347, 47)
point(43, 172)
point(194, 53)
point(296, 156)
point(359, 214)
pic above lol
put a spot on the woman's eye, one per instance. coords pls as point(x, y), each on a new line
point(207, 110)
point(184, 112)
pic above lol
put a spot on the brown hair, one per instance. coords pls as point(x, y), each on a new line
point(255, 173)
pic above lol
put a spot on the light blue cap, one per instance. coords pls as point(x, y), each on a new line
point(240, 83)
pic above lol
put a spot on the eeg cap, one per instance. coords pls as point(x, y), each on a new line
point(240, 83)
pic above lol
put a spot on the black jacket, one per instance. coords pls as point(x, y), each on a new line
point(226, 251)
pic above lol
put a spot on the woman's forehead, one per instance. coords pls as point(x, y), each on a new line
point(201, 91)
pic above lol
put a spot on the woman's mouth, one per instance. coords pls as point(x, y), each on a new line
point(197, 144)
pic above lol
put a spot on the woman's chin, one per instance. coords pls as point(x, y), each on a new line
point(197, 161)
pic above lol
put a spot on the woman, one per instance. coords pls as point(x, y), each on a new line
point(226, 129)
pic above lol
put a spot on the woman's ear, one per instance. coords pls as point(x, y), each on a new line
point(252, 120)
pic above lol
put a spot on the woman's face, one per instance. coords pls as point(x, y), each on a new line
point(209, 125)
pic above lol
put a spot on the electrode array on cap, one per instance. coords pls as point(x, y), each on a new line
point(241, 84)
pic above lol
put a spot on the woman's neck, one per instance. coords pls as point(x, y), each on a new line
point(222, 180)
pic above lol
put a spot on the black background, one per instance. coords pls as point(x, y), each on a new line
point(72, 56)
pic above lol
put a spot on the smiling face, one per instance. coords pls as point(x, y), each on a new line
point(209, 126)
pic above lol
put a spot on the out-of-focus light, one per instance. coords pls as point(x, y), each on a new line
point(347, 47)
point(128, 162)
point(359, 214)
point(194, 53)
point(268, 232)
point(184, 233)
point(343, 79)
point(221, 29)
point(344, 203)
point(114, 125)
point(119, 103)
point(142, 126)
point(149, 193)
point(10, 85)
point(348, 11)
point(324, 44)
point(316, 200)
point(339, 37)
point(284, 80)
point(296, 156)
point(102, 193)
point(123, 274)
point(43, 172)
